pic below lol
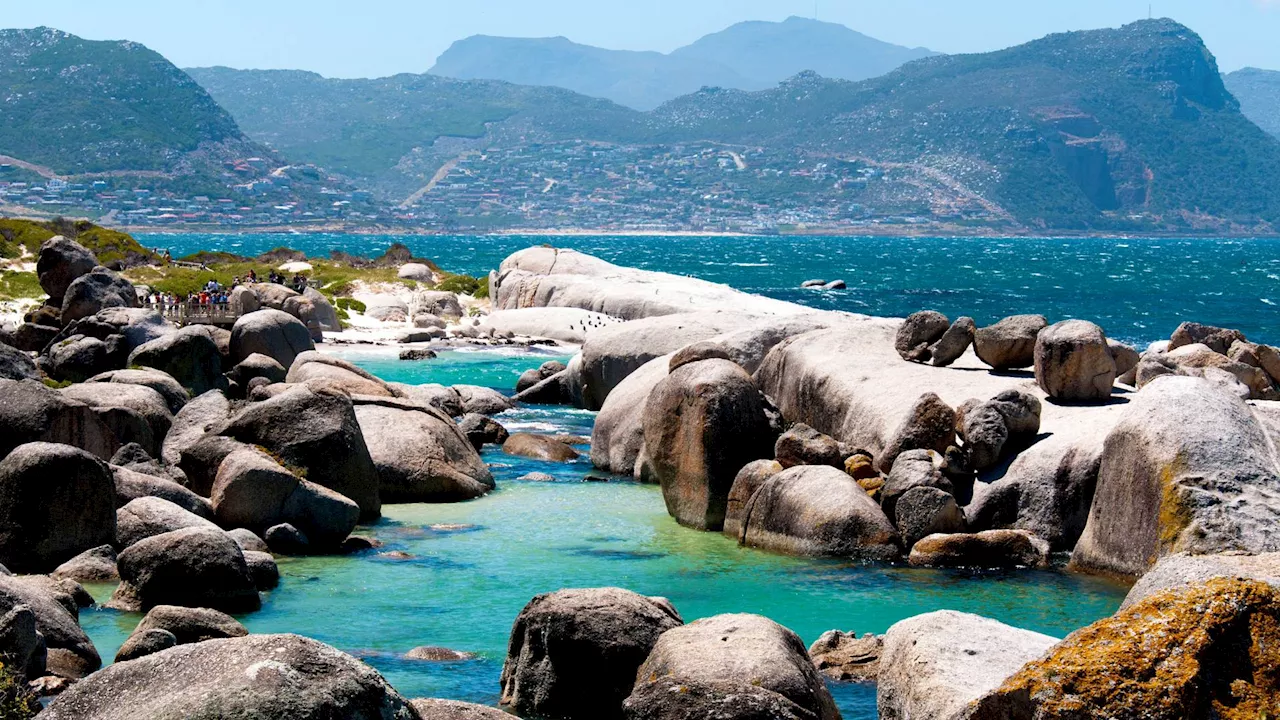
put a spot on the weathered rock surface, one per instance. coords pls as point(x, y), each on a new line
point(565, 324)
point(193, 567)
point(252, 491)
point(930, 425)
point(147, 642)
point(817, 510)
point(1010, 343)
point(61, 262)
point(78, 358)
point(1183, 570)
point(32, 412)
point(918, 332)
point(745, 483)
point(56, 501)
point(95, 565)
point(481, 430)
point(175, 396)
point(335, 372)
point(23, 647)
point(317, 431)
point(1217, 339)
point(189, 355)
point(148, 403)
point(618, 434)
point(986, 549)
point(702, 423)
point(16, 364)
point(208, 413)
point(802, 445)
point(1207, 651)
point(258, 677)
point(953, 342)
point(420, 454)
point(672, 698)
point(845, 657)
point(1187, 468)
point(923, 511)
point(574, 653)
point(483, 400)
point(191, 625)
point(69, 652)
point(147, 516)
point(913, 469)
point(94, 291)
point(743, 650)
point(258, 365)
point(539, 447)
point(274, 333)
point(934, 665)
point(1073, 362)
point(432, 709)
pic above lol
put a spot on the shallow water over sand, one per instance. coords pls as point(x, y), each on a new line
point(471, 567)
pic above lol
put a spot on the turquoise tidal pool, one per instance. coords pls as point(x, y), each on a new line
point(457, 575)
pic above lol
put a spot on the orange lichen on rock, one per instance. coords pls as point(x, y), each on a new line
point(1207, 651)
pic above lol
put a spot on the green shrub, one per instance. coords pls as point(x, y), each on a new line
point(348, 304)
point(16, 701)
point(18, 285)
point(483, 291)
point(464, 284)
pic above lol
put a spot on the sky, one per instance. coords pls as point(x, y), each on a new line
point(373, 38)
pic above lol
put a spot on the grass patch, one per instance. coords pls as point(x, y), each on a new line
point(112, 247)
point(16, 285)
point(16, 701)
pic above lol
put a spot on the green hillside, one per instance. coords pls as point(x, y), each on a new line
point(1259, 94)
point(79, 106)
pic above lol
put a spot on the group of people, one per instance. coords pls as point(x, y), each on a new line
point(298, 283)
point(213, 293)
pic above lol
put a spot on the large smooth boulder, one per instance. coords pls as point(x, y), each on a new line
point(617, 437)
point(174, 394)
point(1010, 343)
point(16, 364)
point(189, 355)
point(191, 625)
point(258, 365)
point(702, 423)
point(258, 677)
point(439, 303)
point(193, 567)
point(930, 425)
point(56, 501)
point(420, 454)
point(918, 332)
point(815, 510)
point(1187, 468)
point(32, 412)
point(140, 399)
point(61, 262)
point(986, 549)
point(923, 511)
point(147, 516)
point(22, 647)
point(316, 366)
point(745, 484)
point(1198, 360)
point(1073, 362)
point(251, 490)
point(95, 565)
point(483, 400)
point(574, 653)
point(317, 431)
point(70, 652)
point(94, 291)
point(445, 399)
point(481, 430)
point(132, 484)
point(953, 342)
point(208, 413)
point(802, 445)
point(77, 358)
point(1184, 570)
point(672, 698)
point(1217, 339)
point(568, 325)
point(612, 353)
point(1207, 651)
point(934, 665)
point(274, 333)
point(539, 447)
point(913, 469)
point(314, 310)
point(744, 650)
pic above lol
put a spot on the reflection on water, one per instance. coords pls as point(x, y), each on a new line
point(456, 575)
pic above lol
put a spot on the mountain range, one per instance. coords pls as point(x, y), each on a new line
point(1118, 130)
point(1259, 95)
point(752, 55)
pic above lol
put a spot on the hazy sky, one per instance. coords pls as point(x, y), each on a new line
point(383, 37)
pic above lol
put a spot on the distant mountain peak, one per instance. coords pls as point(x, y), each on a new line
point(751, 55)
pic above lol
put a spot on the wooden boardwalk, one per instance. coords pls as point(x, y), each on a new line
point(191, 313)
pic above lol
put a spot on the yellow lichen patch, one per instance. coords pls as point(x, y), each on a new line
point(1208, 651)
point(1174, 516)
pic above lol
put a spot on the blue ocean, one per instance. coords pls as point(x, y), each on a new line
point(1137, 289)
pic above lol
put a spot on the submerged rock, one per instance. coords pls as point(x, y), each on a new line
point(539, 447)
point(574, 653)
point(986, 549)
point(845, 657)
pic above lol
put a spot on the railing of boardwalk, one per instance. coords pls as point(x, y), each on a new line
point(196, 313)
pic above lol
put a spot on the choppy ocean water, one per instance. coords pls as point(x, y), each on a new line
point(1137, 289)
